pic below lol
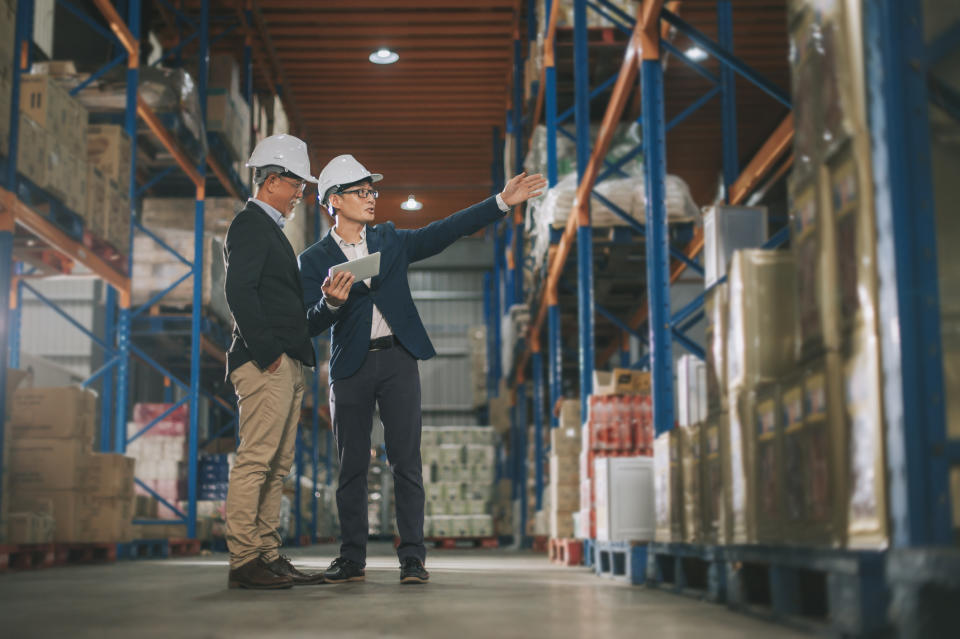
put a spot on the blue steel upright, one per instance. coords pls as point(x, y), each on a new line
point(536, 362)
point(585, 308)
point(918, 452)
point(520, 455)
point(123, 315)
point(554, 364)
point(728, 96)
point(657, 241)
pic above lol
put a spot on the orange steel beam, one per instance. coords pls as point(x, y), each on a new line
point(580, 216)
point(119, 28)
point(17, 211)
point(221, 174)
point(761, 164)
point(155, 126)
point(649, 20)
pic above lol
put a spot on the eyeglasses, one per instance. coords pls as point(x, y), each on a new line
point(299, 184)
point(362, 193)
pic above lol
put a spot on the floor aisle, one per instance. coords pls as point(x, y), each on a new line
point(474, 593)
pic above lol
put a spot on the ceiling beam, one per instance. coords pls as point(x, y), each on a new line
point(407, 31)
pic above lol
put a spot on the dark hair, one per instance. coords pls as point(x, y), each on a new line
point(336, 190)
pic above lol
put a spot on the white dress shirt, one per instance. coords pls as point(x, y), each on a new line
point(272, 212)
point(379, 326)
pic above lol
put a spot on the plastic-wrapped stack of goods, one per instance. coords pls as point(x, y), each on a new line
point(513, 326)
point(155, 269)
point(381, 512)
point(478, 364)
point(228, 114)
point(458, 473)
point(57, 489)
point(213, 476)
point(565, 449)
point(159, 452)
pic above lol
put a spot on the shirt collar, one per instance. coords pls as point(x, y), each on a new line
point(343, 242)
point(269, 210)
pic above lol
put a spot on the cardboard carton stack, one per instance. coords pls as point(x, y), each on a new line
point(458, 474)
point(7, 68)
point(109, 155)
point(228, 114)
point(54, 475)
point(52, 151)
point(565, 448)
point(159, 451)
point(478, 364)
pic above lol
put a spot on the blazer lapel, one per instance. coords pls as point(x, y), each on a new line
point(373, 246)
point(330, 246)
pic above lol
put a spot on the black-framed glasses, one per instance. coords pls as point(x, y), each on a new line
point(362, 193)
point(298, 183)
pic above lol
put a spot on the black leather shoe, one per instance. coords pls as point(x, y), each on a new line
point(342, 570)
point(413, 572)
point(256, 575)
point(282, 566)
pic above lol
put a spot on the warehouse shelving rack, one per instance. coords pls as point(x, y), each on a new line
point(117, 342)
point(665, 263)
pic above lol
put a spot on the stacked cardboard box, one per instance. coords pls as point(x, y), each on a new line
point(159, 451)
point(502, 509)
point(565, 447)
point(459, 479)
point(109, 152)
point(63, 142)
point(7, 69)
point(228, 114)
point(53, 473)
point(178, 213)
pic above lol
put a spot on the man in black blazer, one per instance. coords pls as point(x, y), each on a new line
point(377, 339)
point(271, 346)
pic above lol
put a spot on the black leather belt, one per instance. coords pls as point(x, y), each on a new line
point(383, 343)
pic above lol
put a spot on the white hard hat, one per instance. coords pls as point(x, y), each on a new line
point(285, 151)
point(342, 170)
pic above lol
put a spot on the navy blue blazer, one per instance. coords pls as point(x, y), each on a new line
point(390, 290)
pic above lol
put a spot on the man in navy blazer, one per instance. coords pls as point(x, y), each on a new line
point(378, 337)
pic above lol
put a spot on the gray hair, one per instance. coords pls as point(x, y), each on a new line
point(261, 173)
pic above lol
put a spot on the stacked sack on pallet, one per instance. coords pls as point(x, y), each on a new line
point(56, 489)
point(459, 475)
point(563, 498)
point(479, 364)
point(794, 412)
point(616, 468)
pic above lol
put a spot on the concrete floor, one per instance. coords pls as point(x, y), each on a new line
point(473, 593)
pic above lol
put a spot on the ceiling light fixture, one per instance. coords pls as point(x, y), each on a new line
point(696, 54)
point(384, 56)
point(411, 204)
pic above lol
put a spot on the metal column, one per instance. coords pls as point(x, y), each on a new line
point(554, 343)
point(585, 306)
point(658, 267)
point(520, 456)
point(537, 363)
point(728, 96)
point(916, 440)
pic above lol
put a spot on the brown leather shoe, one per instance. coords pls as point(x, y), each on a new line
point(282, 566)
point(256, 575)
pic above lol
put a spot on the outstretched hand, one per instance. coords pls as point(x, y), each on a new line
point(522, 187)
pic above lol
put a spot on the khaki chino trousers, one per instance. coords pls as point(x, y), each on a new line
point(269, 412)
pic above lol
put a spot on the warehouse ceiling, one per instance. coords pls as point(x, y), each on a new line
point(427, 121)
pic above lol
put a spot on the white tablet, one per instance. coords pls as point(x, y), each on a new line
point(362, 268)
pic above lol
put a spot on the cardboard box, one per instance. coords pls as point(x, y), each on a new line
point(83, 518)
point(109, 150)
point(29, 528)
point(564, 497)
point(53, 413)
point(32, 151)
point(37, 465)
point(224, 74)
point(45, 102)
point(565, 441)
point(96, 194)
point(178, 213)
point(108, 475)
point(621, 381)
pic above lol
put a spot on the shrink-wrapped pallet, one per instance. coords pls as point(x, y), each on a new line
point(761, 332)
point(691, 460)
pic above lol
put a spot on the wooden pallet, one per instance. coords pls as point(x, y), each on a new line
point(144, 549)
point(184, 547)
point(117, 258)
point(83, 553)
point(620, 560)
point(924, 589)
point(540, 543)
point(693, 570)
point(566, 552)
point(450, 543)
point(27, 557)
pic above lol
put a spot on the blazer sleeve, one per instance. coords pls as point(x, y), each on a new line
point(246, 255)
point(420, 244)
point(312, 273)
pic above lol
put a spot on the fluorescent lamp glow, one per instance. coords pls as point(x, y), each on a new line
point(696, 54)
point(411, 204)
point(384, 56)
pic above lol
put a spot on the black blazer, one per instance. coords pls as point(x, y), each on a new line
point(264, 293)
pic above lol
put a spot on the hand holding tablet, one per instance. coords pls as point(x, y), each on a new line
point(362, 268)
